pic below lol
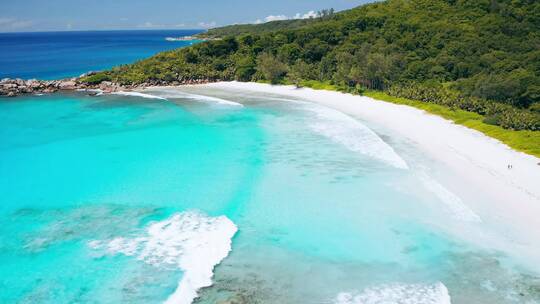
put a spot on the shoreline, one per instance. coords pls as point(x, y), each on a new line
point(526, 141)
point(477, 159)
point(13, 87)
point(379, 111)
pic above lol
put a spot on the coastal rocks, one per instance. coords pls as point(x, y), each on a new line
point(109, 87)
point(67, 85)
point(13, 87)
point(10, 86)
point(33, 84)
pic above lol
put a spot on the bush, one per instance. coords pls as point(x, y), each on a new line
point(301, 71)
point(96, 78)
point(271, 68)
point(499, 114)
point(245, 69)
point(493, 120)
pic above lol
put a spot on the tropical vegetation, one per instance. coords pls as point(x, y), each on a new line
point(480, 56)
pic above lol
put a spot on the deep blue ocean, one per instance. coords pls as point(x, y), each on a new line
point(56, 55)
point(215, 194)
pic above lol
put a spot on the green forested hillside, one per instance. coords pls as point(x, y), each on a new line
point(238, 29)
point(481, 56)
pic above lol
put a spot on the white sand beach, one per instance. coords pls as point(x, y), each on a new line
point(480, 161)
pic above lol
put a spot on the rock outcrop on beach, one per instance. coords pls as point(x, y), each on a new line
point(14, 87)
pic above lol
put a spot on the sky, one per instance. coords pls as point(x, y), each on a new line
point(63, 15)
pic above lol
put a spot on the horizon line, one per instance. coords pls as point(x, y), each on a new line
point(104, 30)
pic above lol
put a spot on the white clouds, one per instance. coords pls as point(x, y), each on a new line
point(310, 14)
point(147, 24)
point(4, 21)
point(207, 25)
point(151, 25)
point(12, 24)
point(22, 24)
point(275, 18)
point(272, 18)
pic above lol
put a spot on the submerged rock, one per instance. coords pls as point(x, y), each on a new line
point(238, 299)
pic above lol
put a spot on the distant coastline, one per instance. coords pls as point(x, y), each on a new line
point(190, 38)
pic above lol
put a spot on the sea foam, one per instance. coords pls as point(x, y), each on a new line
point(191, 241)
point(349, 132)
point(172, 93)
point(453, 203)
point(354, 135)
point(138, 94)
point(213, 99)
point(398, 294)
point(98, 92)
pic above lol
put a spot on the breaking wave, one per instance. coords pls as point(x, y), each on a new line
point(453, 203)
point(349, 132)
point(172, 93)
point(191, 241)
point(138, 94)
point(398, 294)
point(354, 135)
point(213, 99)
point(97, 91)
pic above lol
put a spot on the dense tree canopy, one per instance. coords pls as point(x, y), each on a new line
point(478, 55)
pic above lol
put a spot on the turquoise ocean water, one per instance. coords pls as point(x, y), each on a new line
point(127, 199)
point(239, 197)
